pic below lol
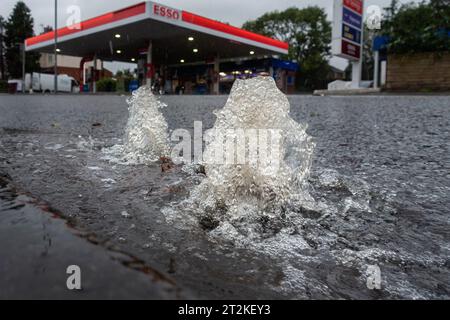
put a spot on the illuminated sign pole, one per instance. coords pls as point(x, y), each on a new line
point(348, 34)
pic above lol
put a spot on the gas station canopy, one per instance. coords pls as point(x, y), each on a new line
point(176, 36)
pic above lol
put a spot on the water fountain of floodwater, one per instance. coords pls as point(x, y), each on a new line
point(146, 134)
point(270, 152)
point(254, 190)
point(267, 209)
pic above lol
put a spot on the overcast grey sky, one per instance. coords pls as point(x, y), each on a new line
point(235, 12)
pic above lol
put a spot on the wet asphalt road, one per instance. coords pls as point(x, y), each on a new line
point(38, 246)
point(50, 148)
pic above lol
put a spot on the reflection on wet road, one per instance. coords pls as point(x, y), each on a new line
point(38, 246)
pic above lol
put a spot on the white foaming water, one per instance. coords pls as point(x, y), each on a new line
point(271, 212)
point(248, 195)
point(249, 204)
point(257, 108)
point(146, 133)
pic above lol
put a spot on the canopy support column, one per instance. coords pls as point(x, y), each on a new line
point(94, 75)
point(216, 79)
point(150, 66)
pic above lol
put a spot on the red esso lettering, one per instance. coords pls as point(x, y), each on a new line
point(172, 14)
point(166, 12)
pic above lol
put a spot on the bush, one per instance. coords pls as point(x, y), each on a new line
point(3, 86)
point(123, 84)
point(106, 85)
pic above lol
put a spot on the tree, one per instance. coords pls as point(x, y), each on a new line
point(46, 28)
point(391, 11)
point(368, 60)
point(2, 47)
point(420, 27)
point(18, 28)
point(309, 35)
point(441, 9)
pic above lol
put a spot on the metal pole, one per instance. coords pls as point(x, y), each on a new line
point(22, 46)
point(94, 75)
point(216, 78)
point(56, 47)
point(149, 76)
point(376, 69)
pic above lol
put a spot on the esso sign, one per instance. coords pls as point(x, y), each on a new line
point(355, 5)
point(166, 12)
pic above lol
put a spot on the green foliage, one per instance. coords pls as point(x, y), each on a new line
point(414, 28)
point(18, 28)
point(120, 85)
point(123, 80)
point(368, 61)
point(441, 10)
point(106, 85)
point(309, 35)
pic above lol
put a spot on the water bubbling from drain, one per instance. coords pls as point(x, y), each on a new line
point(247, 207)
point(146, 133)
point(246, 192)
